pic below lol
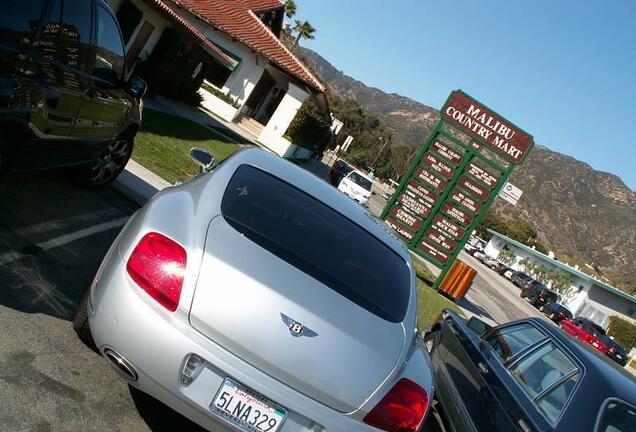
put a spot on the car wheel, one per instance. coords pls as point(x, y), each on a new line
point(109, 165)
point(80, 322)
point(431, 340)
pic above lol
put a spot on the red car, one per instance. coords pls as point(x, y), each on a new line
point(586, 331)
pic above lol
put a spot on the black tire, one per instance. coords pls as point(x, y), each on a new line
point(109, 165)
point(431, 340)
point(80, 322)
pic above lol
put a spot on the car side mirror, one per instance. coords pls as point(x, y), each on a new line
point(136, 87)
point(203, 158)
point(478, 326)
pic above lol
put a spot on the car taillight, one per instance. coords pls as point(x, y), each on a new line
point(401, 409)
point(157, 265)
point(562, 315)
point(542, 294)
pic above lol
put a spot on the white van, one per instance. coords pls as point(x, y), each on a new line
point(357, 186)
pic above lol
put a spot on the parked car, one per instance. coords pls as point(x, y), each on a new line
point(386, 195)
point(539, 295)
point(586, 331)
point(525, 376)
point(357, 186)
point(339, 170)
point(64, 97)
point(556, 312)
point(519, 277)
point(615, 351)
point(254, 294)
point(505, 271)
point(489, 262)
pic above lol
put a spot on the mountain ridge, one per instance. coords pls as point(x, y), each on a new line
point(578, 211)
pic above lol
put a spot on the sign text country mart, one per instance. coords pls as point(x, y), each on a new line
point(474, 118)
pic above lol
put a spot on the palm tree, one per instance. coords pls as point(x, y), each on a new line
point(305, 30)
point(290, 8)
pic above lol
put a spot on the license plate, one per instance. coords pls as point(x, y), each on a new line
point(246, 409)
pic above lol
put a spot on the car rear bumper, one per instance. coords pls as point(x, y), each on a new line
point(157, 343)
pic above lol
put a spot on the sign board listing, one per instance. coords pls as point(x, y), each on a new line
point(451, 183)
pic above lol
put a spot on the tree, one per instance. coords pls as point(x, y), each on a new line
point(304, 30)
point(290, 8)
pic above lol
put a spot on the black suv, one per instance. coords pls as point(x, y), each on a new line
point(65, 99)
point(539, 295)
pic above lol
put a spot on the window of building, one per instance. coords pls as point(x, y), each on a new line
point(129, 17)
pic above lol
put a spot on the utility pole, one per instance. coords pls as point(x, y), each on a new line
point(380, 152)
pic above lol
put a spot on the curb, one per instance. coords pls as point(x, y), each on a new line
point(138, 183)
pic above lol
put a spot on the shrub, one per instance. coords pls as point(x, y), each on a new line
point(623, 331)
point(218, 93)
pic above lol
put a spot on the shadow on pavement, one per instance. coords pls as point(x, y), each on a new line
point(53, 236)
point(158, 416)
point(475, 309)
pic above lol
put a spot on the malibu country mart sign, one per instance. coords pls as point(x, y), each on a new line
point(453, 180)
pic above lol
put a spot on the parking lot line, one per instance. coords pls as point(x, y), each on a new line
point(66, 239)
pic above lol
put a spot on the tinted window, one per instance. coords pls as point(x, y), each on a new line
point(318, 241)
point(548, 377)
point(361, 181)
point(18, 20)
point(76, 32)
point(509, 341)
point(618, 417)
point(110, 48)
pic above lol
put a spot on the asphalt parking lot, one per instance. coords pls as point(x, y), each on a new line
point(53, 236)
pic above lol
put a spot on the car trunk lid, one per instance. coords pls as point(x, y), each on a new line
point(244, 301)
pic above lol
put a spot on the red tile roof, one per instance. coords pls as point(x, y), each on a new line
point(237, 18)
point(220, 55)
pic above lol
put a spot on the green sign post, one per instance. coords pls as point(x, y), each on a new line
point(454, 179)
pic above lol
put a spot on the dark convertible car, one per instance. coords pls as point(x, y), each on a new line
point(525, 376)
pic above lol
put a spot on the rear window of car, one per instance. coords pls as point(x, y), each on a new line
point(361, 181)
point(319, 241)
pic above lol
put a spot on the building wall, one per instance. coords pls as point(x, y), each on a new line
point(585, 293)
point(611, 304)
point(245, 77)
point(272, 134)
point(149, 15)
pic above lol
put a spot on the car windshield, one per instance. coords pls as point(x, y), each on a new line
point(319, 241)
point(361, 181)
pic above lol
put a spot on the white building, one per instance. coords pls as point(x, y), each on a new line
point(588, 296)
point(256, 81)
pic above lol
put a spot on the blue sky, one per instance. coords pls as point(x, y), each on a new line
point(565, 71)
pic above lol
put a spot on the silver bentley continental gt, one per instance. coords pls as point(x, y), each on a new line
point(256, 297)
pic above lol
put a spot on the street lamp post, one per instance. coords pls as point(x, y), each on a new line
point(380, 152)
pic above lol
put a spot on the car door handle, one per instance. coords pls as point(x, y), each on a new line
point(482, 367)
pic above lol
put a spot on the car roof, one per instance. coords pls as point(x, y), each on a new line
point(361, 173)
point(319, 189)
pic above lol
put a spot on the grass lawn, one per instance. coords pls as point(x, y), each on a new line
point(429, 303)
point(163, 145)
